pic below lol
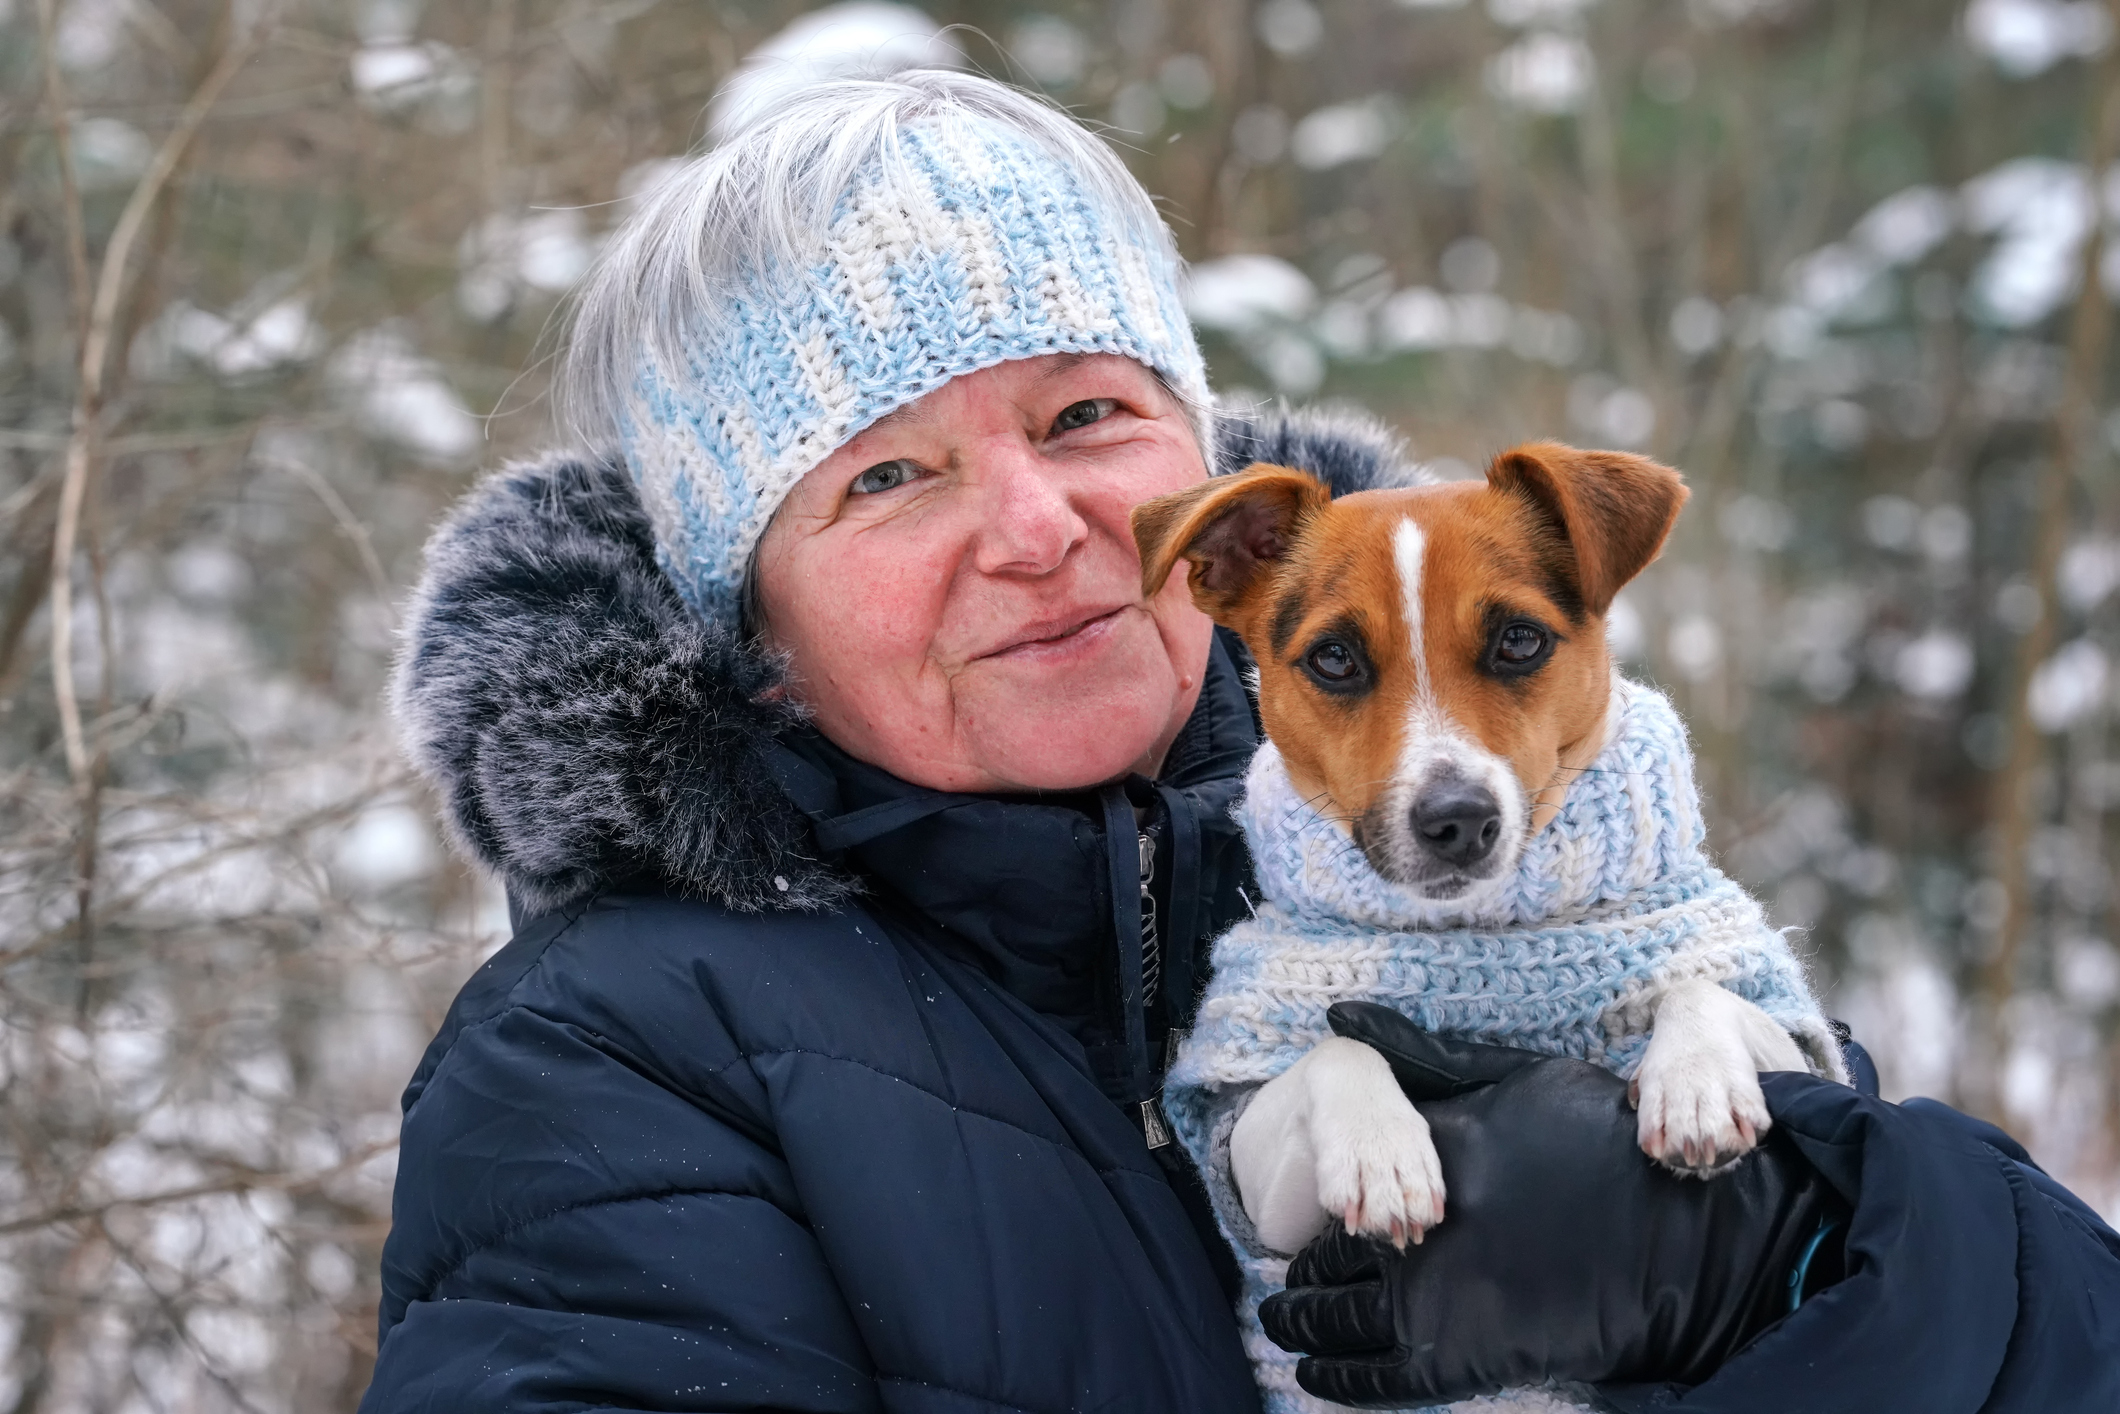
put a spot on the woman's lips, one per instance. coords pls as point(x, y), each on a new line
point(1065, 638)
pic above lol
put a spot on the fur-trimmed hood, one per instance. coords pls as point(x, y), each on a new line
point(581, 727)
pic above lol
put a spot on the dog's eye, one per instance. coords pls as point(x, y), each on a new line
point(1518, 647)
point(1520, 643)
point(1332, 662)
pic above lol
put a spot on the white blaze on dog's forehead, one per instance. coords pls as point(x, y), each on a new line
point(1409, 547)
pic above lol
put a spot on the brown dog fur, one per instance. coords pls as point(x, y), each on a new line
point(1546, 541)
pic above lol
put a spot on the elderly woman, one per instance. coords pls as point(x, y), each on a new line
point(864, 827)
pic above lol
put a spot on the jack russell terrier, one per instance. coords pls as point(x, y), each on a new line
point(1461, 811)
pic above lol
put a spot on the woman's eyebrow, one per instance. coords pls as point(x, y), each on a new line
point(904, 415)
point(1066, 364)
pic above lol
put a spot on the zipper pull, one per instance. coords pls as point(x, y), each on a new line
point(1152, 1127)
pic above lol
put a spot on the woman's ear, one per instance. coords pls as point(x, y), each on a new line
point(1614, 509)
point(1228, 529)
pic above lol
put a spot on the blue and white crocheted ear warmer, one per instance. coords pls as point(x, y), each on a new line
point(971, 246)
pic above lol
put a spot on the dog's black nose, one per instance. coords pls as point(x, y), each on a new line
point(1458, 822)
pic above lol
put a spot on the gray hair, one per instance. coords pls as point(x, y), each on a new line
point(763, 200)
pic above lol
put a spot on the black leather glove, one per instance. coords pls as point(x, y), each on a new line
point(1564, 1253)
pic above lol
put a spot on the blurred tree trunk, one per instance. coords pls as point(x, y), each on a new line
point(2075, 431)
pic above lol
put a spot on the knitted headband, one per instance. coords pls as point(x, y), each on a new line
point(963, 245)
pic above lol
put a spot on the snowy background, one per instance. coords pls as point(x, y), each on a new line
point(1847, 264)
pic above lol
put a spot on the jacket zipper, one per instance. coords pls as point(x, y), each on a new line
point(1153, 1128)
point(1151, 938)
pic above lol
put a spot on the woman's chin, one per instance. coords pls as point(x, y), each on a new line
point(1069, 755)
point(1044, 731)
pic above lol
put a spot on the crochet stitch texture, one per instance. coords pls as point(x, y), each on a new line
point(1612, 900)
point(967, 246)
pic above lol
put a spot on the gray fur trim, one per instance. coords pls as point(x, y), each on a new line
point(577, 722)
point(1344, 447)
point(581, 727)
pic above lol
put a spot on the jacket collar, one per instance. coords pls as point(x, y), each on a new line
point(1019, 882)
point(580, 727)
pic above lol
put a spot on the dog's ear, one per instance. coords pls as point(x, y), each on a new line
point(1228, 528)
point(1614, 510)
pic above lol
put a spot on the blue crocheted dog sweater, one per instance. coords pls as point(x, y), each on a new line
point(1614, 899)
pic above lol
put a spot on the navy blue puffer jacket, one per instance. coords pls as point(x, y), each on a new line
point(798, 1088)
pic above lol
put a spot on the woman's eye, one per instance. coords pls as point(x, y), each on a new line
point(1520, 643)
point(1333, 663)
point(884, 476)
point(1082, 414)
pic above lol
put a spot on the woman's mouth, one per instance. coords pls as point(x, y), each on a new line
point(1056, 639)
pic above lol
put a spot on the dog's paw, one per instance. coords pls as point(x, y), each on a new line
point(1381, 1178)
point(1700, 1110)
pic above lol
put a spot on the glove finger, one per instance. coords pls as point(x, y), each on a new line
point(1336, 1257)
point(1383, 1379)
point(1427, 1066)
point(1329, 1320)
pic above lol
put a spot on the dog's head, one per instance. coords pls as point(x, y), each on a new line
point(1431, 660)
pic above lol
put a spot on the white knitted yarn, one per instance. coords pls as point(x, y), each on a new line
point(1613, 900)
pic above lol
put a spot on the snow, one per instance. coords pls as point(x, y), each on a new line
point(1260, 134)
point(1907, 225)
point(2089, 571)
point(1187, 81)
point(89, 33)
point(506, 253)
point(1611, 412)
point(1417, 318)
point(380, 68)
point(1544, 72)
point(1756, 522)
point(1290, 28)
point(1519, 14)
point(862, 37)
point(1696, 325)
point(1137, 109)
point(400, 396)
point(2068, 687)
point(281, 333)
point(1832, 278)
point(1946, 533)
point(388, 845)
point(1239, 292)
point(1051, 51)
point(2040, 209)
point(1695, 647)
point(1470, 265)
point(1937, 665)
point(1291, 361)
point(207, 570)
point(2027, 37)
point(109, 152)
point(1343, 133)
point(1624, 632)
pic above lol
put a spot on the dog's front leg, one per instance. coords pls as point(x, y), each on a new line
point(1333, 1136)
point(1697, 1090)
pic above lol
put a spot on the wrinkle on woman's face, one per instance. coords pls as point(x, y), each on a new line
point(958, 591)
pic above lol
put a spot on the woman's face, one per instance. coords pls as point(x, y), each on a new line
point(958, 588)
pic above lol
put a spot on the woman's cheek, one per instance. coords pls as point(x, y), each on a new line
point(881, 613)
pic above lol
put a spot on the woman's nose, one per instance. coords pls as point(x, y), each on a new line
point(1028, 522)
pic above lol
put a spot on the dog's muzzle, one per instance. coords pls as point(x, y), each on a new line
point(1442, 837)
